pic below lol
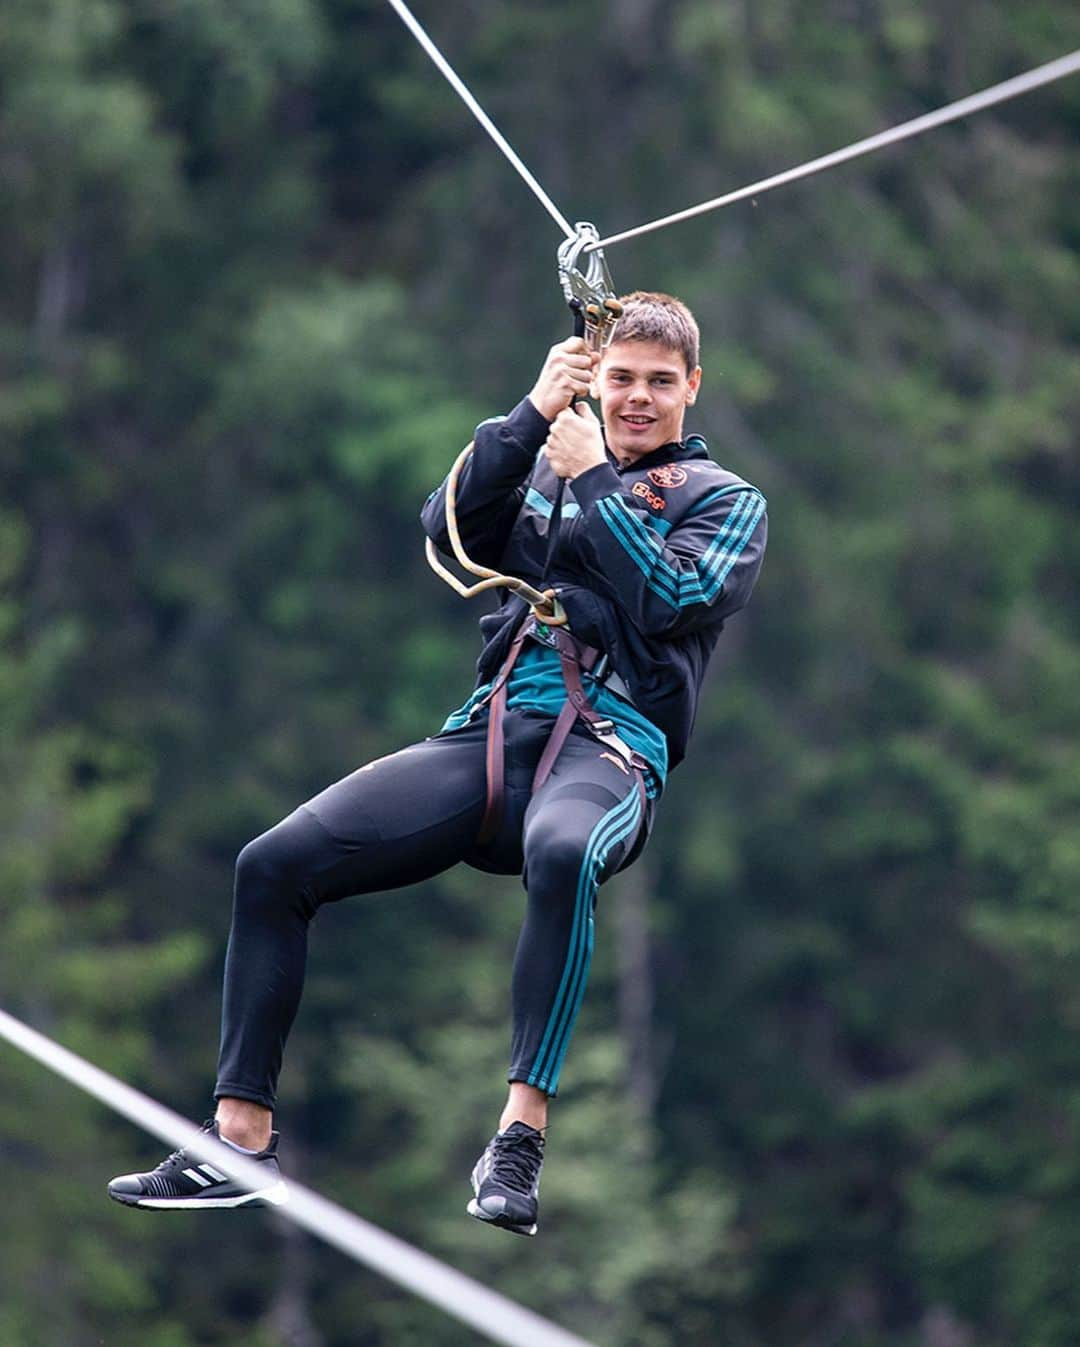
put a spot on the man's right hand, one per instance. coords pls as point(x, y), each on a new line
point(568, 372)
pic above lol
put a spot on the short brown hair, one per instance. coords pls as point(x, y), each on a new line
point(649, 315)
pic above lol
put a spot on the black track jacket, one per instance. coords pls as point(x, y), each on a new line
point(651, 561)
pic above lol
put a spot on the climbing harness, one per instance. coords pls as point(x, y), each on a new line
point(576, 658)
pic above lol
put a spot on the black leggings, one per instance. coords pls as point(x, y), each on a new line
point(407, 817)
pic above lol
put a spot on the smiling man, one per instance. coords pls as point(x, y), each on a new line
point(644, 387)
point(552, 768)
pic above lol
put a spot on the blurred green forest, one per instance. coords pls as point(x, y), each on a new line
point(260, 273)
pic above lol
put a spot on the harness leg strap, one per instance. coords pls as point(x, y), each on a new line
point(489, 824)
point(569, 713)
point(559, 734)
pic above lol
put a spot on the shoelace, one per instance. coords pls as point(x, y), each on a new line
point(180, 1159)
point(516, 1161)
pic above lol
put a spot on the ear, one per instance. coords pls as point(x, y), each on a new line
point(693, 383)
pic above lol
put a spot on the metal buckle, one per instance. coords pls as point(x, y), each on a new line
point(589, 292)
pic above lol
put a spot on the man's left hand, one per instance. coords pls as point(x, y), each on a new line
point(574, 443)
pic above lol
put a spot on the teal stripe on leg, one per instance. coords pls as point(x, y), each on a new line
point(563, 1041)
point(618, 823)
point(574, 953)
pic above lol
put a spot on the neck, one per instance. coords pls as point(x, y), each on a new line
point(625, 460)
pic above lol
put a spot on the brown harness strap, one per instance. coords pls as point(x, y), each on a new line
point(558, 736)
point(575, 657)
point(496, 701)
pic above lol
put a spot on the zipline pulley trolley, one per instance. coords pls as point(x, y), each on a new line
point(590, 296)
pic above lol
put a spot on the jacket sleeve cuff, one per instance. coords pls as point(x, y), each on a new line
point(526, 428)
point(595, 483)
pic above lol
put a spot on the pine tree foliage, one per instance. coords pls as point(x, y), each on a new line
point(261, 273)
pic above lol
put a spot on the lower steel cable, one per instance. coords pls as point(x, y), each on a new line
point(492, 1315)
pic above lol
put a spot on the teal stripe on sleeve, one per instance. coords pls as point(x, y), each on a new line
point(540, 503)
point(722, 567)
point(618, 522)
point(703, 583)
point(535, 501)
point(706, 501)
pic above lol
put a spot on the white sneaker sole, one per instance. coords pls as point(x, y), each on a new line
point(274, 1197)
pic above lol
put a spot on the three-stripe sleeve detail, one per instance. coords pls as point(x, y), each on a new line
point(616, 825)
point(540, 503)
point(702, 582)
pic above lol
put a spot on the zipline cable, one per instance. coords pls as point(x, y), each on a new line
point(998, 93)
point(481, 116)
point(492, 1315)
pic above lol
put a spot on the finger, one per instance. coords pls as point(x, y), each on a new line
point(576, 360)
point(553, 457)
point(583, 410)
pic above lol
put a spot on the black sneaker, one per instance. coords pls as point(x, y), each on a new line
point(506, 1179)
point(183, 1183)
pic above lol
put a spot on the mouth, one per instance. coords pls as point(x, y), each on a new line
point(640, 422)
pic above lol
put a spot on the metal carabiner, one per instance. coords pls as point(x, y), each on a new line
point(590, 293)
point(587, 285)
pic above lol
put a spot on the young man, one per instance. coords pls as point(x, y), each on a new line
point(552, 768)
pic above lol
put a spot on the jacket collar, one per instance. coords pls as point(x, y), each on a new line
point(692, 446)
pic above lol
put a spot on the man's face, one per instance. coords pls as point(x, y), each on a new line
point(644, 390)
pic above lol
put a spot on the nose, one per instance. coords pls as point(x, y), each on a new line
point(639, 393)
